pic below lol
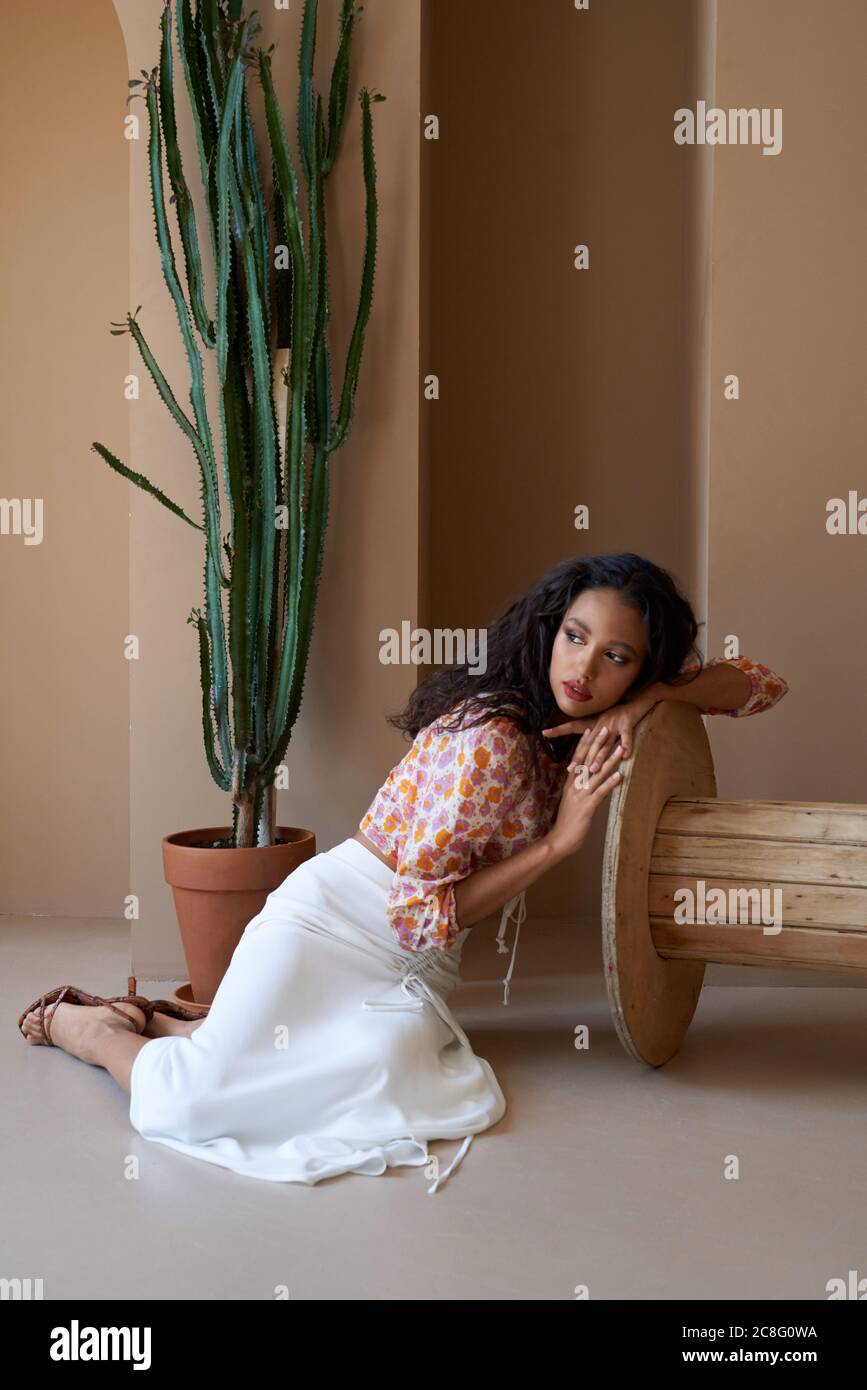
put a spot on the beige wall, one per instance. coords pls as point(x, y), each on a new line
point(789, 313)
point(605, 387)
point(64, 264)
point(106, 757)
point(557, 388)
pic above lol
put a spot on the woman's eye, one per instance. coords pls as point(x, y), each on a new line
point(619, 660)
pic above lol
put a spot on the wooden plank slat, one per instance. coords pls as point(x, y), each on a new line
point(780, 861)
point(802, 947)
point(816, 822)
point(839, 908)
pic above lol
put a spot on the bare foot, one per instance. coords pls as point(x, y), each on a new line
point(75, 1027)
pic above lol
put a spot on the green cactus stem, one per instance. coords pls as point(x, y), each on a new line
point(268, 331)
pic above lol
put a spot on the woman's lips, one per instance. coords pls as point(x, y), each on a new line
point(574, 693)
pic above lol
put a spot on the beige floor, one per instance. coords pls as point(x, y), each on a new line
point(603, 1172)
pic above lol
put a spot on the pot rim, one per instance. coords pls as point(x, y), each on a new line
point(179, 840)
point(214, 870)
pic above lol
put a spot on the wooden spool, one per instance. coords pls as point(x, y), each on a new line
point(667, 831)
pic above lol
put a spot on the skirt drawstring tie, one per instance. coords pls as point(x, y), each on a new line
point(453, 1165)
point(419, 978)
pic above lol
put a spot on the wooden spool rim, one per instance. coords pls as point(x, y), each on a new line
point(652, 1000)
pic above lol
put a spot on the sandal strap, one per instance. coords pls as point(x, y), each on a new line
point(44, 1024)
point(138, 1000)
point(128, 1017)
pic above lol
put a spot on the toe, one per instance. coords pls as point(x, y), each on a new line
point(34, 1030)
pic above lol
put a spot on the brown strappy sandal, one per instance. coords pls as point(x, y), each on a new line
point(69, 994)
point(190, 1012)
point(72, 995)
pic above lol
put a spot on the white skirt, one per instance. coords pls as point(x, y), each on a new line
point(328, 1048)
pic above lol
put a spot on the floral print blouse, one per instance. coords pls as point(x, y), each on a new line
point(460, 800)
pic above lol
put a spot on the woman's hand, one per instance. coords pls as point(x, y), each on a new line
point(583, 792)
point(620, 720)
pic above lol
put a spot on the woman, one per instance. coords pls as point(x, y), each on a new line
point(330, 1046)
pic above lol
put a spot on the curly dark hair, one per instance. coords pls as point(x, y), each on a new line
point(520, 641)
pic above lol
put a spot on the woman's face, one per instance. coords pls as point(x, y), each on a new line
point(601, 647)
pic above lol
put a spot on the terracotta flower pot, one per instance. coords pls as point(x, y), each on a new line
point(184, 995)
point(218, 891)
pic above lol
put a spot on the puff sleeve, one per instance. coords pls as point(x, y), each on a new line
point(768, 687)
point(467, 784)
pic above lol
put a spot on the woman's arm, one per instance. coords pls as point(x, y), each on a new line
point(456, 791)
point(767, 688)
point(488, 889)
point(723, 687)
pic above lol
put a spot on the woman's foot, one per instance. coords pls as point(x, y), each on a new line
point(164, 1026)
point(75, 1028)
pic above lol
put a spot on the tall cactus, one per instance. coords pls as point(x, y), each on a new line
point(275, 490)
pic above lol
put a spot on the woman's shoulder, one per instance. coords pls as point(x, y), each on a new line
point(461, 736)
